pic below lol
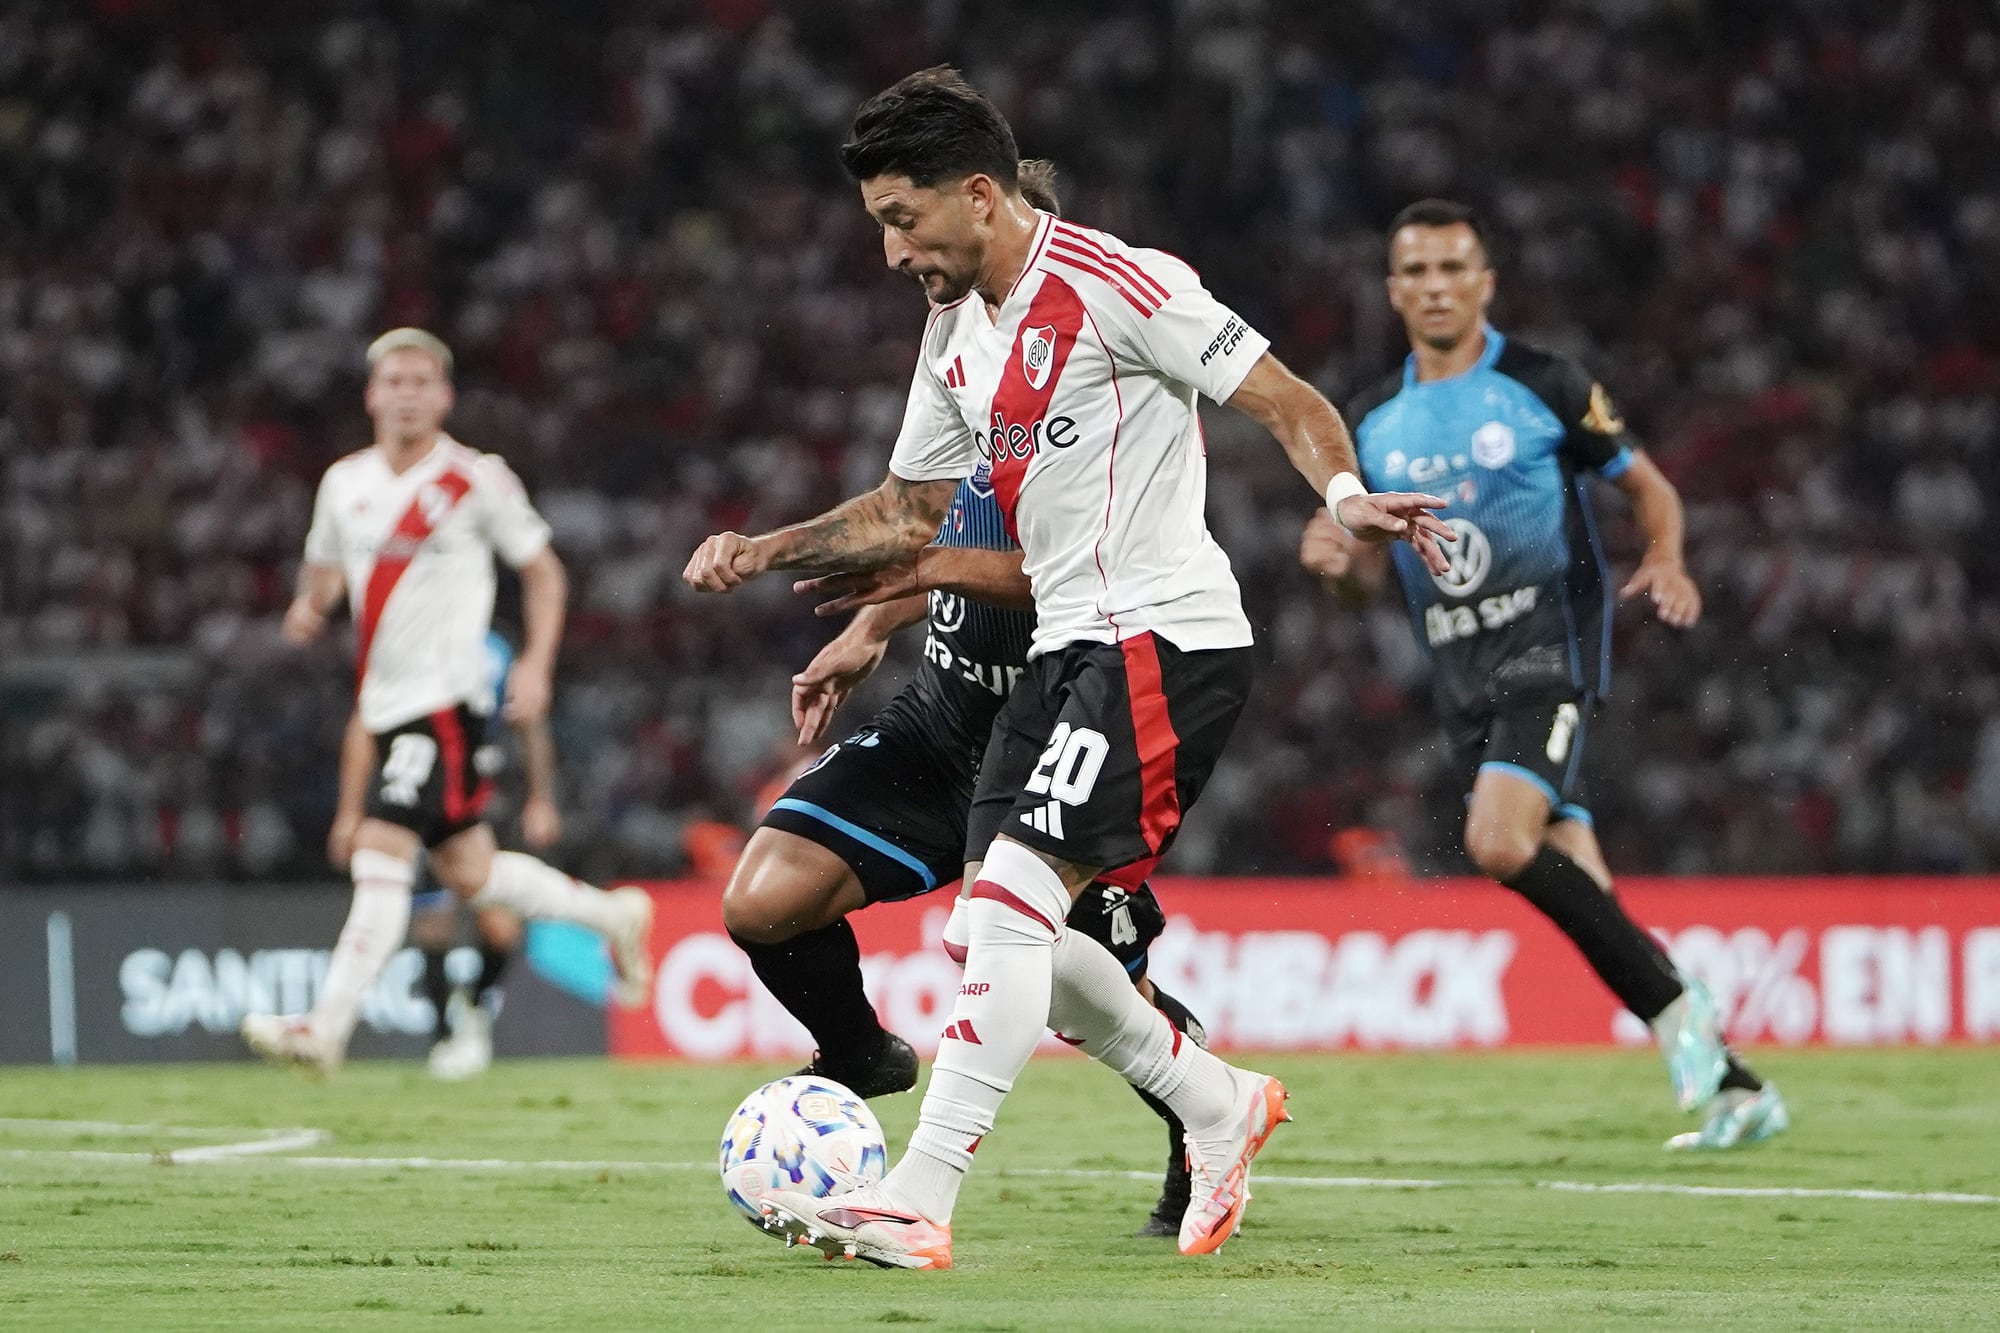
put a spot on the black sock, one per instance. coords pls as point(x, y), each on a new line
point(437, 989)
point(1190, 1027)
point(1739, 1075)
point(817, 977)
point(492, 962)
point(1618, 949)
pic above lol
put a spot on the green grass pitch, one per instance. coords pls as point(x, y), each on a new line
point(633, 1232)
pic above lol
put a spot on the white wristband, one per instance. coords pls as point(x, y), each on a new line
point(1343, 485)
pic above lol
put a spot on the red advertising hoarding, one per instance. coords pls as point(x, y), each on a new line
point(1288, 964)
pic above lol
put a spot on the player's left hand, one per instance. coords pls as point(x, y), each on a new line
point(528, 692)
point(868, 587)
point(1390, 516)
point(833, 674)
point(541, 823)
point(1674, 594)
point(723, 562)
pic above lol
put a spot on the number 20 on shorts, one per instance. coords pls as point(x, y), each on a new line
point(1070, 764)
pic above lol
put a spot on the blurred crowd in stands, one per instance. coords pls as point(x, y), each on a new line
point(1772, 229)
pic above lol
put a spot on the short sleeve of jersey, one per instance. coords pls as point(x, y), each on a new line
point(1595, 434)
point(506, 518)
point(1174, 324)
point(934, 443)
point(322, 540)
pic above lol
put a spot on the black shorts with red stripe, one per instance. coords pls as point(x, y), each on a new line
point(433, 774)
point(1102, 748)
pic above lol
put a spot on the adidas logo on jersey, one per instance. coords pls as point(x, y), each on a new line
point(1045, 819)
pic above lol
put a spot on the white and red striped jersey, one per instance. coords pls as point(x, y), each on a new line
point(417, 548)
point(1076, 404)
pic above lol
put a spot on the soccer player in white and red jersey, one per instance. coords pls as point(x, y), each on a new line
point(1066, 364)
point(407, 530)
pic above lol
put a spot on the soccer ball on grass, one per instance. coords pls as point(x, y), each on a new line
point(800, 1133)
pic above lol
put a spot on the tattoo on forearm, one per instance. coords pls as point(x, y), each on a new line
point(866, 532)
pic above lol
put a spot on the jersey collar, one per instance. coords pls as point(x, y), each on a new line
point(1495, 343)
point(1046, 226)
point(440, 450)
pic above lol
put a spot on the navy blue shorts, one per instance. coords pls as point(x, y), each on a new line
point(1541, 743)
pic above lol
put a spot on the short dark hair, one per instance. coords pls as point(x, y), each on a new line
point(1443, 213)
point(932, 126)
point(1038, 184)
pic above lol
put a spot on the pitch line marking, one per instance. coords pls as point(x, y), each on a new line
point(275, 1141)
point(1561, 1186)
point(261, 1142)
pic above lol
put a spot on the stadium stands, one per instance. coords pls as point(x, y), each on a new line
point(1774, 230)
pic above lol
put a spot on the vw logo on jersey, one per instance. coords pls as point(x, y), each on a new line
point(1493, 444)
point(1038, 354)
point(1470, 560)
point(981, 479)
point(947, 611)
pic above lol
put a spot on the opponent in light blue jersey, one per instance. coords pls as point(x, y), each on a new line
point(1518, 624)
point(499, 661)
point(1523, 609)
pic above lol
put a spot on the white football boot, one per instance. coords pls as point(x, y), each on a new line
point(290, 1040)
point(632, 947)
point(1219, 1160)
point(859, 1224)
point(468, 1051)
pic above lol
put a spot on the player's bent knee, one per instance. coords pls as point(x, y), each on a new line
point(780, 891)
point(1500, 852)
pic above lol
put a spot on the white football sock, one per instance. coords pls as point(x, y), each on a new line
point(1014, 917)
point(1095, 1005)
point(537, 890)
point(376, 922)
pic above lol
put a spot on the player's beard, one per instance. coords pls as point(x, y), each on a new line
point(950, 289)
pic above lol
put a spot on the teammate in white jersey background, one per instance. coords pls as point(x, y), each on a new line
point(1069, 364)
point(407, 531)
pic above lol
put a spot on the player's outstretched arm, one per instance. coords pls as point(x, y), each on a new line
point(541, 819)
point(544, 604)
point(320, 589)
point(850, 658)
point(1347, 567)
point(992, 577)
point(1317, 442)
point(1662, 572)
point(890, 523)
point(357, 762)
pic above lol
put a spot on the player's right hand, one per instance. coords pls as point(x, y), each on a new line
point(340, 838)
point(819, 690)
point(303, 622)
point(1390, 516)
point(723, 562)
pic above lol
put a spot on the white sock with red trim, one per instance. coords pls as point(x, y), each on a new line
point(1095, 1005)
point(376, 922)
point(1014, 916)
point(537, 890)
